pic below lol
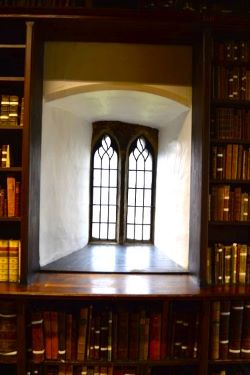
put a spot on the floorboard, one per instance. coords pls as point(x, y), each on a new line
point(116, 259)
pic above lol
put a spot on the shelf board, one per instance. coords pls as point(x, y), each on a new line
point(231, 103)
point(14, 46)
point(10, 127)
point(11, 169)
point(229, 182)
point(11, 79)
point(129, 362)
point(230, 223)
point(230, 141)
point(9, 219)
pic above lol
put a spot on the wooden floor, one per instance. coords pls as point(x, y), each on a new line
point(116, 259)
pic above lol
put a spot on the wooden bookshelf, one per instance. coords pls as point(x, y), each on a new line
point(26, 32)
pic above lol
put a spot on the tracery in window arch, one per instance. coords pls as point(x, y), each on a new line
point(139, 196)
point(104, 190)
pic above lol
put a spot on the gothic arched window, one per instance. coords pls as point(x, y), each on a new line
point(123, 170)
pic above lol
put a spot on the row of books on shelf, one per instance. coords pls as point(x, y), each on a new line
point(230, 123)
point(10, 252)
point(231, 161)
point(228, 264)
point(10, 196)
point(4, 156)
point(11, 110)
point(230, 329)
point(227, 204)
point(231, 83)
point(67, 369)
point(44, 3)
point(113, 333)
point(239, 370)
point(232, 51)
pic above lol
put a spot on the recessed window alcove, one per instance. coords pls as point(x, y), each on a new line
point(72, 102)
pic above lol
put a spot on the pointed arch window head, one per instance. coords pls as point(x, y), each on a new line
point(139, 197)
point(104, 190)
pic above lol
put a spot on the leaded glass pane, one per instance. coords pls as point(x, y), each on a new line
point(104, 191)
point(139, 192)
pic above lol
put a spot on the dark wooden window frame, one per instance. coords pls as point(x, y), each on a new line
point(124, 136)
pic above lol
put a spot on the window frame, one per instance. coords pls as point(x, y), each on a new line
point(124, 135)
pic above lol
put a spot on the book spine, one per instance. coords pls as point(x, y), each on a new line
point(61, 336)
point(215, 330)
point(235, 330)
point(224, 329)
point(4, 260)
point(14, 248)
point(245, 340)
point(38, 346)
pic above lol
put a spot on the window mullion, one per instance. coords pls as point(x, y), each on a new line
point(121, 198)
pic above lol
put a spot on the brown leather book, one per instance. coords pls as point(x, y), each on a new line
point(235, 329)
point(134, 319)
point(61, 335)
point(225, 309)
point(47, 334)
point(11, 187)
point(54, 334)
point(82, 333)
point(215, 330)
point(122, 333)
point(38, 344)
point(245, 339)
point(155, 335)
point(8, 331)
point(69, 318)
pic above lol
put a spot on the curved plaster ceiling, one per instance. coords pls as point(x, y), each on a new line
point(122, 105)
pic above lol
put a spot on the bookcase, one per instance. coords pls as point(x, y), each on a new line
point(131, 324)
point(228, 251)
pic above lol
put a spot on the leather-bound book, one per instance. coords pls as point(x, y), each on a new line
point(155, 335)
point(47, 334)
point(134, 319)
point(235, 329)
point(225, 308)
point(215, 330)
point(38, 344)
point(122, 333)
point(245, 339)
point(82, 333)
point(8, 331)
point(54, 334)
point(61, 335)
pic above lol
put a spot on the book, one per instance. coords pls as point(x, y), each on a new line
point(8, 330)
point(215, 330)
point(155, 335)
point(4, 260)
point(122, 333)
point(165, 331)
point(235, 329)
point(38, 345)
point(14, 259)
point(245, 339)
point(104, 333)
point(5, 156)
point(242, 262)
point(224, 329)
point(134, 319)
point(61, 335)
point(18, 199)
point(54, 334)
point(143, 335)
point(47, 334)
point(82, 333)
point(11, 188)
point(69, 318)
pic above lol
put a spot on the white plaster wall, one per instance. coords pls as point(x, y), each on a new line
point(64, 207)
point(173, 189)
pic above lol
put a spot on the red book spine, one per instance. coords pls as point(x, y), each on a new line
point(47, 334)
point(38, 345)
point(54, 334)
point(155, 336)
